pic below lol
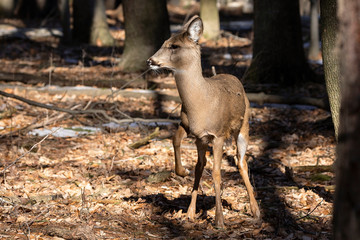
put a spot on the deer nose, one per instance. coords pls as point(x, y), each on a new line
point(152, 63)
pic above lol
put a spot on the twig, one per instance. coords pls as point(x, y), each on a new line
point(27, 152)
point(126, 84)
point(26, 225)
point(144, 141)
point(129, 159)
point(311, 210)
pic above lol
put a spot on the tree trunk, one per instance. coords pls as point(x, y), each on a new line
point(7, 8)
point(90, 24)
point(146, 28)
point(347, 195)
point(314, 50)
point(329, 28)
point(210, 16)
point(278, 54)
point(64, 10)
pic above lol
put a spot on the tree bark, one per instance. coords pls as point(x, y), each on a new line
point(146, 28)
point(210, 16)
point(347, 195)
point(278, 54)
point(329, 28)
point(90, 24)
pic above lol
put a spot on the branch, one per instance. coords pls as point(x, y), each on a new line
point(90, 111)
point(315, 169)
point(144, 141)
point(51, 107)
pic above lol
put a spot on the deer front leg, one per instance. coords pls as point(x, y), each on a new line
point(178, 137)
point(201, 148)
point(218, 152)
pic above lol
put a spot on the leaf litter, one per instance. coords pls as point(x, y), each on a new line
point(92, 186)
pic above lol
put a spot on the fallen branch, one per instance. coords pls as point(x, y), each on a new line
point(314, 169)
point(288, 188)
point(90, 111)
point(47, 106)
point(145, 140)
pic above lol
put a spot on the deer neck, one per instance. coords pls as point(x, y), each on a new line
point(191, 85)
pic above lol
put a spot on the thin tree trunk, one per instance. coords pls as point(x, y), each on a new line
point(90, 24)
point(64, 10)
point(329, 23)
point(100, 33)
point(210, 16)
point(314, 50)
point(7, 8)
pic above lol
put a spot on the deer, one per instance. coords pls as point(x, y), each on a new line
point(213, 110)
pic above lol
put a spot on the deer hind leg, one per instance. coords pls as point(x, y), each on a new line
point(201, 148)
point(178, 137)
point(242, 143)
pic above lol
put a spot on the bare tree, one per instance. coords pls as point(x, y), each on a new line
point(146, 28)
point(347, 195)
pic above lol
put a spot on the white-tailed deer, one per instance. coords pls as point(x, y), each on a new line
point(213, 109)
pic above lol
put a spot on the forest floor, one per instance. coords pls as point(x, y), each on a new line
point(90, 184)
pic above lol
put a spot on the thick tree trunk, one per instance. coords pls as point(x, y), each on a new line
point(90, 24)
point(146, 28)
point(347, 195)
point(278, 54)
point(329, 24)
point(210, 16)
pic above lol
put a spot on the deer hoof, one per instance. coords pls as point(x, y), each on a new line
point(182, 172)
point(190, 214)
point(255, 211)
point(219, 224)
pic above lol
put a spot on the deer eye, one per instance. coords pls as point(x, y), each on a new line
point(174, 46)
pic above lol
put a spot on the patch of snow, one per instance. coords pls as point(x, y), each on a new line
point(65, 132)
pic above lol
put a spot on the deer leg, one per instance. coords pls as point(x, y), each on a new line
point(201, 148)
point(218, 152)
point(178, 137)
point(242, 142)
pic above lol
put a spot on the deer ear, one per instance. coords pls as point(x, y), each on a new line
point(195, 28)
